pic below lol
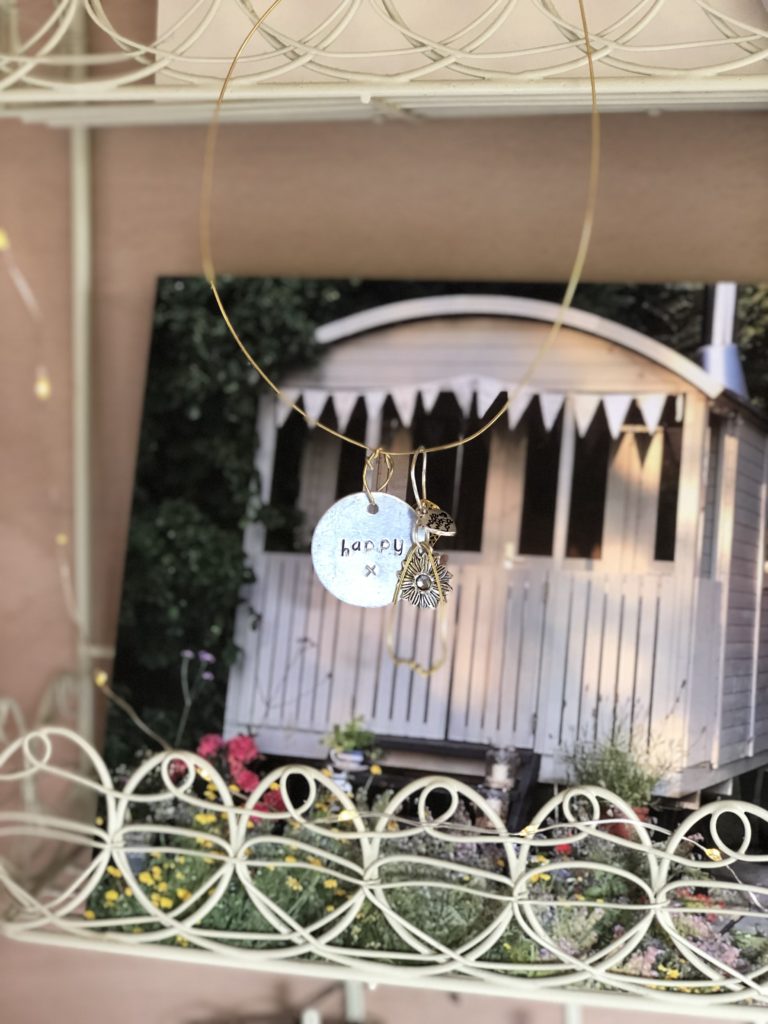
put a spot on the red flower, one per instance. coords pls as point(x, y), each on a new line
point(241, 750)
point(565, 849)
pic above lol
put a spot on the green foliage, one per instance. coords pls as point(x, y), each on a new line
point(615, 764)
point(352, 735)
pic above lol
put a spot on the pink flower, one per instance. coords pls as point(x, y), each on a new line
point(210, 745)
point(245, 779)
point(241, 750)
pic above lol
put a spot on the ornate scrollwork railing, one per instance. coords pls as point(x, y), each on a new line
point(398, 50)
point(421, 885)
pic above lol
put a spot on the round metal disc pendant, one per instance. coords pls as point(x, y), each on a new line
point(357, 553)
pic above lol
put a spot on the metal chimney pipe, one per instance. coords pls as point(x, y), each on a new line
point(720, 357)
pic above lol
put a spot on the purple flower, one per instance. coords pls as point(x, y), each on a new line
point(206, 657)
point(207, 675)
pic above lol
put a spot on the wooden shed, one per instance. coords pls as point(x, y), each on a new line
point(608, 570)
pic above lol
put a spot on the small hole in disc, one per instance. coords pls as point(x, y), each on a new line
point(373, 509)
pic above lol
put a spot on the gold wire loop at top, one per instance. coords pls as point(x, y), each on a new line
point(420, 496)
point(371, 468)
point(573, 279)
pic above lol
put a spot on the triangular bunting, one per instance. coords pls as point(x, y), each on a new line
point(518, 403)
point(283, 406)
point(584, 409)
point(374, 403)
point(616, 408)
point(550, 405)
point(429, 394)
point(651, 409)
point(464, 392)
point(344, 403)
point(487, 391)
point(404, 401)
point(313, 400)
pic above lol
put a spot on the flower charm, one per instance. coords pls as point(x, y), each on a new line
point(418, 583)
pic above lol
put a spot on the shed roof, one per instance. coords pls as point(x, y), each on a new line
point(520, 308)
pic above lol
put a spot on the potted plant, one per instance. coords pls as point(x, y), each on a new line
point(616, 764)
point(351, 747)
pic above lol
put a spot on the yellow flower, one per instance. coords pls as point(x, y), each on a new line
point(89, 914)
point(314, 861)
point(183, 894)
point(99, 820)
point(181, 941)
point(181, 859)
point(289, 859)
point(329, 908)
point(155, 898)
point(157, 872)
point(673, 974)
point(713, 853)
point(330, 883)
point(327, 772)
point(115, 872)
point(128, 891)
point(166, 902)
point(162, 887)
point(145, 878)
point(375, 769)
point(111, 895)
point(341, 892)
point(205, 818)
point(539, 878)
point(275, 787)
point(233, 787)
point(541, 859)
point(249, 824)
point(293, 883)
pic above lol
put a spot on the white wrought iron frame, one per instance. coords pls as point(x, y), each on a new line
point(122, 843)
point(381, 58)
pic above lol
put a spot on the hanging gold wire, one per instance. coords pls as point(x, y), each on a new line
point(570, 290)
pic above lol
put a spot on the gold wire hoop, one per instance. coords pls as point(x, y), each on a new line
point(371, 466)
point(570, 290)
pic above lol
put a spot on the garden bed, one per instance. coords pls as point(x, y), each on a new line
point(419, 886)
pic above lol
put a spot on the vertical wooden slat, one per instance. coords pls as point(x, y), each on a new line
point(534, 620)
point(345, 661)
point(462, 665)
point(627, 663)
point(646, 657)
point(281, 641)
point(372, 655)
point(609, 662)
point(574, 662)
point(497, 672)
point(516, 592)
point(554, 654)
point(438, 690)
point(665, 721)
point(486, 632)
point(326, 647)
point(295, 646)
point(402, 675)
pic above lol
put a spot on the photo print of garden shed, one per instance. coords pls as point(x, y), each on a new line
point(608, 565)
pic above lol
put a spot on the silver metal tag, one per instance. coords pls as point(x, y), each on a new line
point(357, 553)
